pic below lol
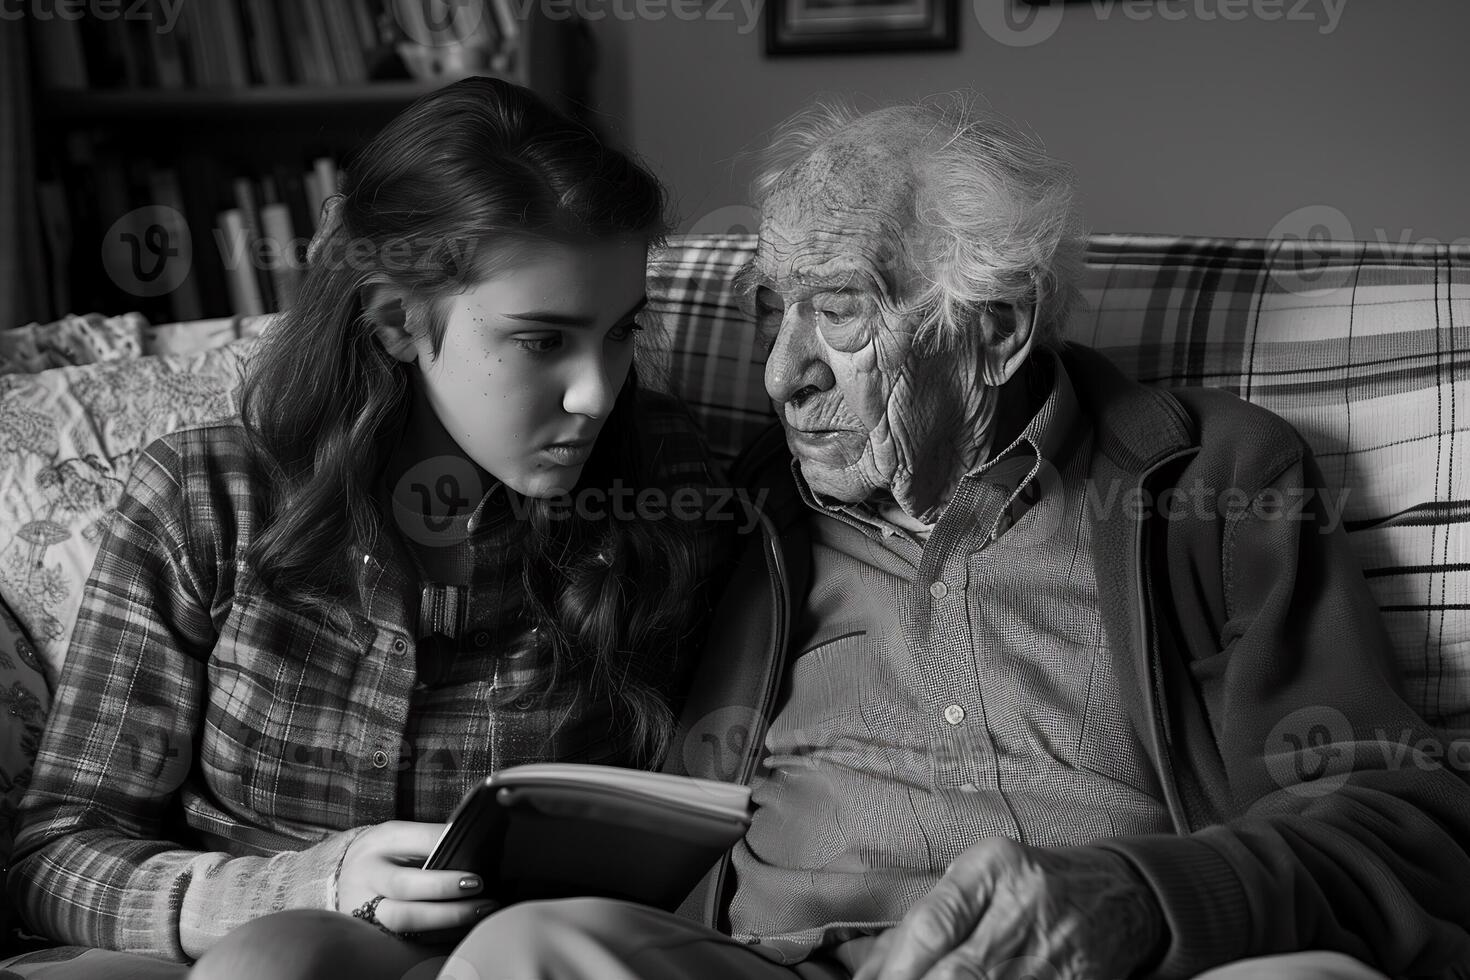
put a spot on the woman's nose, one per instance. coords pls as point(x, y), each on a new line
point(593, 388)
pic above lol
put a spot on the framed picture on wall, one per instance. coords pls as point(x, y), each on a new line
point(835, 26)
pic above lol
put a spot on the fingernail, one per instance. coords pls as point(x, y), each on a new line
point(483, 910)
point(469, 883)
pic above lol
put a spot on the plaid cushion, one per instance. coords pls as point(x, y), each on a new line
point(1363, 348)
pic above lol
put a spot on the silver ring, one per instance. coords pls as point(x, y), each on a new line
point(368, 912)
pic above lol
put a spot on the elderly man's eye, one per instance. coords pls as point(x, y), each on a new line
point(835, 318)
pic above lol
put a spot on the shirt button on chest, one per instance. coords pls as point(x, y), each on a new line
point(938, 590)
point(380, 759)
point(400, 646)
point(954, 714)
point(481, 639)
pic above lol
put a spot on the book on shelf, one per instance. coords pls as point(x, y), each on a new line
point(247, 203)
point(231, 40)
point(321, 183)
point(301, 60)
point(365, 14)
point(214, 44)
point(234, 248)
point(264, 42)
point(278, 234)
point(164, 49)
point(317, 42)
point(342, 39)
point(292, 189)
point(60, 60)
point(563, 830)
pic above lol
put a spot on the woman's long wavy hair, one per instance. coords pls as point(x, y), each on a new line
point(466, 170)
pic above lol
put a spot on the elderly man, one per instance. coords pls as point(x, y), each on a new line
point(1010, 730)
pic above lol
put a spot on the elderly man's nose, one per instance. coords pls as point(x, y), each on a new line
point(795, 367)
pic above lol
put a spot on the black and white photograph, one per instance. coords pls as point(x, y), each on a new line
point(734, 490)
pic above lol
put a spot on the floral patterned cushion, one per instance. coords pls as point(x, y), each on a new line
point(67, 441)
point(74, 339)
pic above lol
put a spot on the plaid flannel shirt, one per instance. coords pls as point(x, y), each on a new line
point(211, 753)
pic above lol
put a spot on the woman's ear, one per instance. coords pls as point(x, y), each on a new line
point(386, 310)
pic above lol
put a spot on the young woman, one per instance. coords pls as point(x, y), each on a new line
point(313, 627)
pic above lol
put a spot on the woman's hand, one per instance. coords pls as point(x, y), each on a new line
point(388, 860)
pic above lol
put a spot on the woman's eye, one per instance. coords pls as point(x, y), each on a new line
point(624, 331)
point(538, 343)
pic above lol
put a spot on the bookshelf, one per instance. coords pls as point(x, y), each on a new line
point(164, 159)
point(117, 107)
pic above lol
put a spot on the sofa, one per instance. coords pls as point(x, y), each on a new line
point(1365, 349)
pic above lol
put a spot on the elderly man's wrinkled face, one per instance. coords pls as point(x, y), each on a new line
point(865, 413)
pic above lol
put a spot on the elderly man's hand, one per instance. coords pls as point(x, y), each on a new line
point(1005, 910)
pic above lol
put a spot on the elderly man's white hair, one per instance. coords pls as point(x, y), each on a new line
point(998, 212)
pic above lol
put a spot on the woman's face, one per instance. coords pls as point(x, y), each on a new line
point(533, 358)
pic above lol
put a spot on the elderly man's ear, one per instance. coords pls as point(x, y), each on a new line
point(386, 309)
point(1008, 329)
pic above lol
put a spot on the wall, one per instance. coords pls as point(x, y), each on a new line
point(1344, 113)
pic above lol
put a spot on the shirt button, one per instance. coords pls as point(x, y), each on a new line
point(400, 645)
point(380, 759)
point(481, 639)
point(954, 714)
point(938, 590)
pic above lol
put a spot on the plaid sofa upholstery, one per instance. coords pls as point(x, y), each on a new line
point(1364, 349)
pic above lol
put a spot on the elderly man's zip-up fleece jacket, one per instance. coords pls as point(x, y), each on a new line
point(1309, 810)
